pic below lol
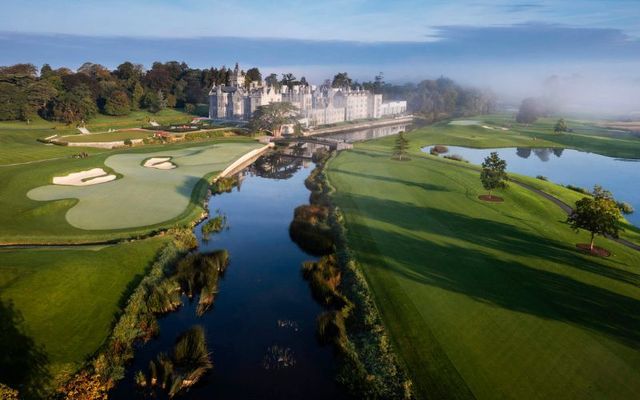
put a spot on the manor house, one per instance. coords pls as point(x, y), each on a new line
point(317, 105)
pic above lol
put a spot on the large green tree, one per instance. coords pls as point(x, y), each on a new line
point(272, 117)
point(494, 173)
point(341, 80)
point(117, 103)
point(599, 214)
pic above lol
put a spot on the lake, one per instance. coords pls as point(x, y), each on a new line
point(569, 167)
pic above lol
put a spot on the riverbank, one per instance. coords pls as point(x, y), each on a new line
point(584, 137)
point(27, 221)
point(348, 127)
point(451, 273)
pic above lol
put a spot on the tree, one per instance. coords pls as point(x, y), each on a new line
point(288, 80)
point(493, 175)
point(598, 214)
point(74, 106)
point(272, 117)
point(272, 80)
point(137, 92)
point(341, 80)
point(400, 147)
point(151, 101)
point(117, 103)
point(252, 75)
point(561, 126)
point(529, 111)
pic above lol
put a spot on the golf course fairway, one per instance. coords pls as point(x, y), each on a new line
point(486, 300)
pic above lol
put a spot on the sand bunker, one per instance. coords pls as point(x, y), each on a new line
point(159, 163)
point(465, 122)
point(84, 178)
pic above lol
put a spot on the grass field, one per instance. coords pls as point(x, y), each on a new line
point(488, 300)
point(586, 136)
point(69, 297)
point(143, 196)
point(18, 139)
point(23, 220)
point(107, 136)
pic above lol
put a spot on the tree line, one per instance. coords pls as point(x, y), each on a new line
point(74, 96)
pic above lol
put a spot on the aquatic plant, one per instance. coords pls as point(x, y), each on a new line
point(214, 225)
point(310, 231)
point(278, 357)
point(199, 273)
point(455, 157)
point(140, 379)
point(191, 360)
point(164, 297)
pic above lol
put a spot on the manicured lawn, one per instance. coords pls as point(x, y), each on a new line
point(586, 137)
point(108, 136)
point(487, 300)
point(69, 298)
point(141, 196)
point(18, 139)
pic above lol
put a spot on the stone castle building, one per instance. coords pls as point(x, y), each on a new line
point(317, 105)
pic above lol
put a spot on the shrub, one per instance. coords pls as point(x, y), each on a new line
point(310, 231)
point(128, 142)
point(214, 225)
point(625, 207)
point(439, 149)
point(224, 184)
point(331, 329)
point(542, 178)
point(6, 393)
point(578, 189)
point(456, 157)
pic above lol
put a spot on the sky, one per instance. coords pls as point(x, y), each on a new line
point(511, 46)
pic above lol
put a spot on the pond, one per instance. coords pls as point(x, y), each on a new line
point(263, 300)
point(569, 167)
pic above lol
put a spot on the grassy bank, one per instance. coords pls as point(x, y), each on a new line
point(503, 131)
point(23, 220)
point(68, 299)
point(18, 140)
point(487, 300)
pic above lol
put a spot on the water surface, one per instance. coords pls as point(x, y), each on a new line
point(569, 167)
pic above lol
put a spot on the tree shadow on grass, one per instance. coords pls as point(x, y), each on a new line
point(23, 364)
point(488, 278)
point(424, 186)
point(491, 234)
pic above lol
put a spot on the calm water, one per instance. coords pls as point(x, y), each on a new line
point(371, 133)
point(570, 167)
point(262, 287)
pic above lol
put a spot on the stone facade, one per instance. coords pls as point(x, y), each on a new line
point(317, 105)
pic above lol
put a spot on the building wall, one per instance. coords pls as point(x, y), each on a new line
point(318, 106)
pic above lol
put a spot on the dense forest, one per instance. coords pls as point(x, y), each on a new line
point(72, 97)
point(76, 96)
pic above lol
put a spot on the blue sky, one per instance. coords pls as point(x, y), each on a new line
point(508, 45)
point(357, 20)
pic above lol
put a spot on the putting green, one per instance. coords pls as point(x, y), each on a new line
point(143, 196)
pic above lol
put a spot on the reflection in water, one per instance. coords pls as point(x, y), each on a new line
point(523, 152)
point(371, 133)
point(543, 154)
point(276, 166)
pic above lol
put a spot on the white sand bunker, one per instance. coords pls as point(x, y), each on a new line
point(464, 122)
point(159, 163)
point(84, 178)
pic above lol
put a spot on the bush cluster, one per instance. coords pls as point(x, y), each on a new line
point(368, 366)
point(455, 157)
